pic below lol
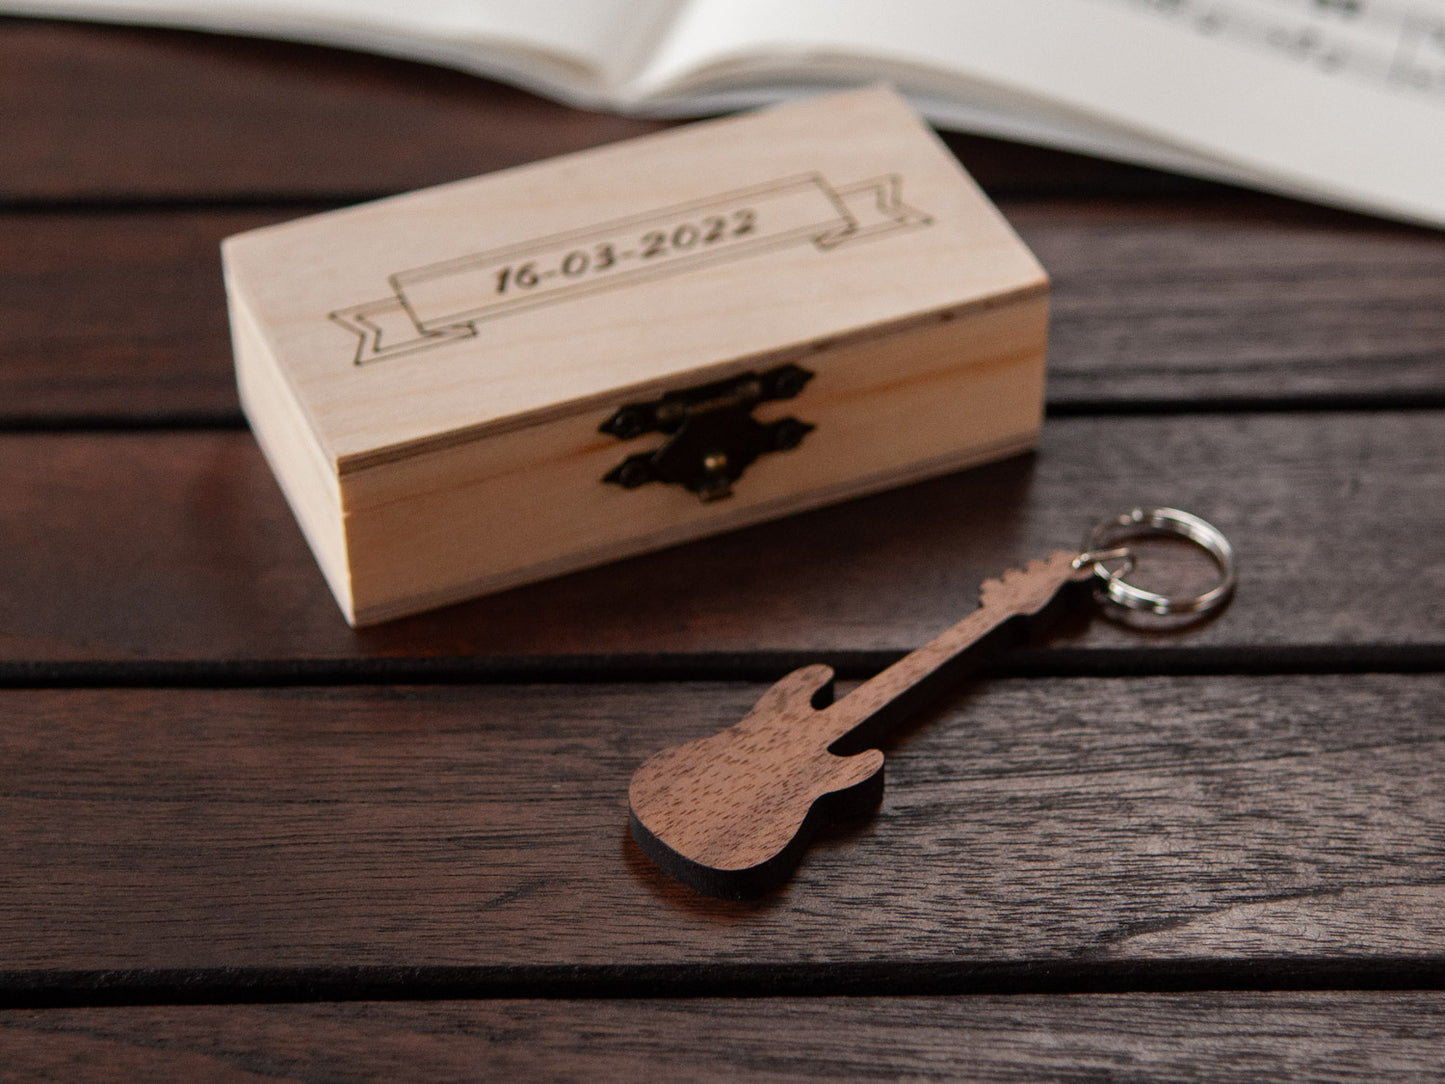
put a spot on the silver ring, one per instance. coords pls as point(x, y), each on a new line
point(1108, 533)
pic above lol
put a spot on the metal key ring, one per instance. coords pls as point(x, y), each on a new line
point(1138, 523)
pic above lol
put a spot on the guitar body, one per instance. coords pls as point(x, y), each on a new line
point(729, 814)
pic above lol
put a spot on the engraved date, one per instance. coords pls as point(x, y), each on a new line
point(579, 263)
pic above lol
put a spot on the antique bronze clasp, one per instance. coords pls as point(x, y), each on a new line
point(712, 435)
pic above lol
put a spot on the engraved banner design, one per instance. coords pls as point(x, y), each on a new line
point(445, 301)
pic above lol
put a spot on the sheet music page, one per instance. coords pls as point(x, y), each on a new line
point(1343, 100)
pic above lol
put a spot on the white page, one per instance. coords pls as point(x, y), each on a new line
point(576, 49)
point(1029, 125)
point(1340, 99)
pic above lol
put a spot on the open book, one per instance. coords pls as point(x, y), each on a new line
point(1340, 101)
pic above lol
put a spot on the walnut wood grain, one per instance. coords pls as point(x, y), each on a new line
point(1216, 1036)
point(130, 114)
point(122, 315)
point(147, 546)
point(1031, 828)
point(729, 814)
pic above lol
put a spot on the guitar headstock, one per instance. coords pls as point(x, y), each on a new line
point(1029, 589)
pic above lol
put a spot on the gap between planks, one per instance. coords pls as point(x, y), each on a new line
point(884, 978)
point(755, 666)
point(120, 421)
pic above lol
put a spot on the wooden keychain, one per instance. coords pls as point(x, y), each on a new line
point(729, 815)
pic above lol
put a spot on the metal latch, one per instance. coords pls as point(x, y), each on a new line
point(713, 435)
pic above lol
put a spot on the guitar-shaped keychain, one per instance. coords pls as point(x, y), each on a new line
point(730, 814)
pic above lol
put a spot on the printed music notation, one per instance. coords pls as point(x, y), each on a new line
point(1397, 46)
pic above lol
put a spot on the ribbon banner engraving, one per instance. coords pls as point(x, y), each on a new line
point(444, 302)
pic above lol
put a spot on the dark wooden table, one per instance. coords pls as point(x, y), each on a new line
point(240, 840)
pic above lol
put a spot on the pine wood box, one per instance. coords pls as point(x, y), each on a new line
point(506, 378)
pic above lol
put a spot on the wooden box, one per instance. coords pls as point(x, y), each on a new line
point(502, 379)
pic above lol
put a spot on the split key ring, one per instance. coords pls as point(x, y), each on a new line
point(1104, 544)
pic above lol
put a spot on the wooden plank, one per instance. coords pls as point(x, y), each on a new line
point(1336, 1036)
point(1098, 831)
point(145, 546)
point(1248, 299)
point(109, 315)
point(116, 315)
point(119, 113)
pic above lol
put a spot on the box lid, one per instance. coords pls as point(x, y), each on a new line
point(492, 303)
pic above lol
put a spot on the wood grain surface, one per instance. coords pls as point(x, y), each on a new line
point(1254, 825)
point(1219, 1037)
point(1096, 829)
point(122, 114)
point(1253, 299)
point(178, 546)
point(120, 314)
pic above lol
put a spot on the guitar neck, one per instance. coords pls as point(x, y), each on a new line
point(915, 678)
